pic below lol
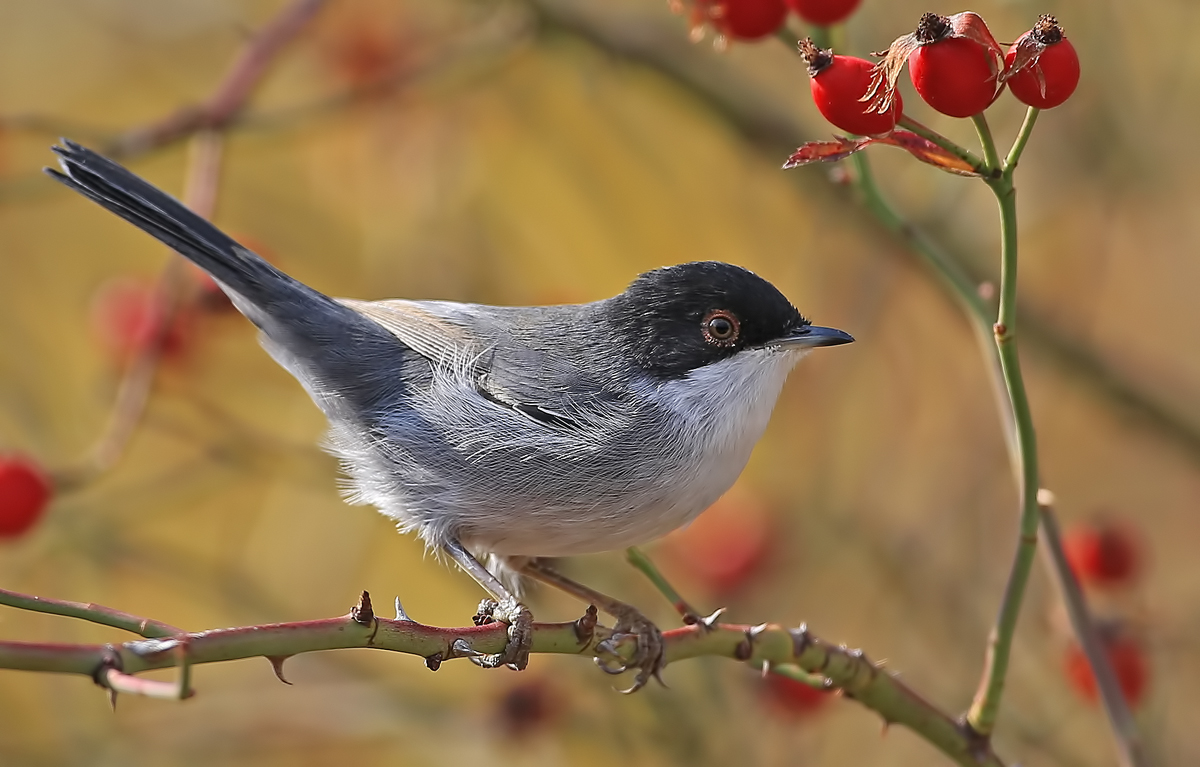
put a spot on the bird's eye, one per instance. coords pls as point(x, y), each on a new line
point(721, 328)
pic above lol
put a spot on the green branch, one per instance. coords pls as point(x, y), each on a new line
point(982, 714)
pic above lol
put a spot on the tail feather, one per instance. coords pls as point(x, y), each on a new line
point(334, 350)
point(170, 221)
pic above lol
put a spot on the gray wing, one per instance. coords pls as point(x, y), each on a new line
point(518, 358)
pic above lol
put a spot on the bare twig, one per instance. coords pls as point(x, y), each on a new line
point(234, 90)
point(88, 611)
point(1130, 749)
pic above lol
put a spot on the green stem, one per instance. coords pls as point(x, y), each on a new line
point(961, 286)
point(982, 714)
point(930, 134)
point(639, 560)
point(105, 616)
point(990, 155)
point(1014, 154)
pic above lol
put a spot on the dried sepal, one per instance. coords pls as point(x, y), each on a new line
point(814, 56)
point(826, 151)
point(930, 29)
point(842, 147)
point(930, 153)
point(701, 14)
point(1030, 47)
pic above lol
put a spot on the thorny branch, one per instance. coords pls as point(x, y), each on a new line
point(115, 666)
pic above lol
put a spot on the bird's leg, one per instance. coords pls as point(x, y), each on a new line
point(505, 609)
point(647, 657)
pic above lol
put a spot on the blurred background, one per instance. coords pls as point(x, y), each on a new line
point(546, 151)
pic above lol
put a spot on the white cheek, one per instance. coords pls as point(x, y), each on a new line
point(730, 402)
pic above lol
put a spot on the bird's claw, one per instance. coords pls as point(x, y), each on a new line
point(520, 633)
point(648, 655)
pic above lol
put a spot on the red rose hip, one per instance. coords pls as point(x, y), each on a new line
point(823, 12)
point(1042, 66)
point(839, 85)
point(954, 75)
point(24, 493)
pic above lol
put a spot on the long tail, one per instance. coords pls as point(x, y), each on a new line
point(161, 215)
point(331, 348)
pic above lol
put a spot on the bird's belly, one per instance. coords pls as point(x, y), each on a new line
point(675, 498)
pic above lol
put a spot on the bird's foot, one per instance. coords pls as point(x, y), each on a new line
point(647, 658)
point(520, 633)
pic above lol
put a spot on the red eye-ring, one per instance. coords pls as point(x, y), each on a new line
point(721, 327)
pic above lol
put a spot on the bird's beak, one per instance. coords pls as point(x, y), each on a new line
point(811, 336)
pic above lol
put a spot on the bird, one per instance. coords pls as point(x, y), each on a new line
point(504, 436)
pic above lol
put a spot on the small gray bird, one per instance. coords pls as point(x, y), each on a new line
point(515, 433)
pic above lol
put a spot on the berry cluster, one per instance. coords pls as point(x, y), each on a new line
point(956, 66)
point(756, 19)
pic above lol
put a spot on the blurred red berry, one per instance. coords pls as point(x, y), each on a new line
point(126, 315)
point(1043, 67)
point(823, 12)
point(792, 697)
point(1102, 553)
point(733, 19)
point(24, 493)
point(726, 545)
point(526, 707)
point(361, 51)
point(1128, 659)
point(749, 19)
point(839, 84)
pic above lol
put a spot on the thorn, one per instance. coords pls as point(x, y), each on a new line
point(363, 613)
point(766, 668)
point(112, 699)
point(585, 627)
point(433, 662)
point(460, 649)
point(400, 614)
point(710, 621)
point(754, 631)
point(277, 666)
point(800, 640)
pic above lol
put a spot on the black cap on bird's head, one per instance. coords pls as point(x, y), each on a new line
point(680, 318)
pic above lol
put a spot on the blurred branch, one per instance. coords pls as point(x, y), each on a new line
point(1125, 730)
point(203, 123)
point(115, 666)
point(137, 380)
point(231, 95)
